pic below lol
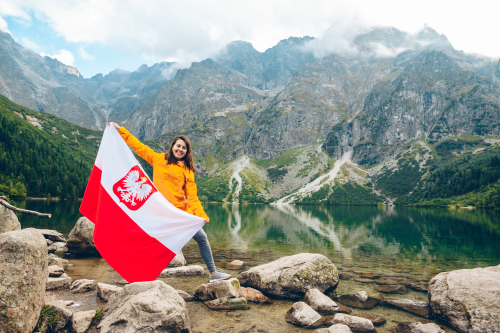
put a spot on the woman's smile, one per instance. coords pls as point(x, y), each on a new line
point(179, 149)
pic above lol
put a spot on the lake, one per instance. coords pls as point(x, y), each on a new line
point(397, 242)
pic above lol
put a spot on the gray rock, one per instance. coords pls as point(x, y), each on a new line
point(391, 289)
point(8, 220)
point(359, 300)
point(55, 260)
point(80, 239)
point(303, 315)
point(178, 260)
point(51, 248)
point(356, 324)
point(82, 286)
point(201, 293)
point(228, 304)
point(291, 277)
point(187, 297)
point(80, 321)
point(55, 271)
point(255, 296)
point(106, 290)
point(418, 328)
point(418, 287)
point(320, 302)
point(235, 264)
point(23, 273)
point(63, 314)
point(62, 282)
point(415, 307)
point(337, 328)
point(145, 306)
point(377, 320)
point(53, 235)
point(183, 271)
point(60, 246)
point(468, 299)
point(224, 289)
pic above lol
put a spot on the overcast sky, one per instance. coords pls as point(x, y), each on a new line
point(97, 36)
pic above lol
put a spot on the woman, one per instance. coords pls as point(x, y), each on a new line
point(173, 176)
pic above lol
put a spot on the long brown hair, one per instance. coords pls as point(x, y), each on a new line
point(188, 158)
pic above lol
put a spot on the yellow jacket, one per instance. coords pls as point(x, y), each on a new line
point(169, 179)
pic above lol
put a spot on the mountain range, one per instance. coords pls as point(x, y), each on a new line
point(286, 124)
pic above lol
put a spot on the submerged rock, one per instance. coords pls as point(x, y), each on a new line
point(468, 299)
point(418, 287)
point(80, 321)
point(82, 286)
point(80, 239)
point(23, 277)
point(8, 220)
point(183, 271)
point(415, 307)
point(146, 307)
point(105, 291)
point(303, 315)
point(391, 289)
point(337, 328)
point(359, 300)
point(356, 324)
point(418, 328)
point(255, 296)
point(235, 264)
point(291, 277)
point(377, 320)
point(320, 302)
point(178, 261)
point(228, 304)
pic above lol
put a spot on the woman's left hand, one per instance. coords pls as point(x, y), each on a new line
point(206, 221)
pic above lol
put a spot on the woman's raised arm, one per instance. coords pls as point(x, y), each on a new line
point(140, 148)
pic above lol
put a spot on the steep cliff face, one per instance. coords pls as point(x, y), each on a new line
point(432, 96)
point(316, 97)
point(269, 69)
point(196, 95)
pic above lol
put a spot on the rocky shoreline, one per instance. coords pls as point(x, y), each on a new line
point(40, 291)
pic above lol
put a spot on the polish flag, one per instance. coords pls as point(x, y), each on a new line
point(137, 231)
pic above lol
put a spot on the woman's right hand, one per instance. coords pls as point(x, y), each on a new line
point(115, 125)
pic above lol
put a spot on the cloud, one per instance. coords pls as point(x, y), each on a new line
point(4, 26)
point(64, 56)
point(85, 55)
point(26, 42)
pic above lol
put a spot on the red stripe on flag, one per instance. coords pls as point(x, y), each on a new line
point(90, 201)
point(127, 248)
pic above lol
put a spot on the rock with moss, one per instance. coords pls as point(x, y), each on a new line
point(224, 289)
point(468, 299)
point(291, 277)
point(8, 220)
point(23, 275)
point(59, 314)
point(228, 304)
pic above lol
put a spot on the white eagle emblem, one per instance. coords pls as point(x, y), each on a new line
point(134, 189)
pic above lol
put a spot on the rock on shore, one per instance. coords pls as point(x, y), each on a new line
point(291, 277)
point(8, 220)
point(80, 239)
point(178, 261)
point(146, 306)
point(468, 299)
point(23, 275)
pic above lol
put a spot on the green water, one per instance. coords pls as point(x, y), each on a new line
point(394, 238)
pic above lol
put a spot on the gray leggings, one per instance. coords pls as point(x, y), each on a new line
point(204, 246)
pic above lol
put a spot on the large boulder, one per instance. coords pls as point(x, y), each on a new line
point(80, 239)
point(146, 307)
point(468, 299)
point(291, 277)
point(8, 220)
point(178, 260)
point(23, 275)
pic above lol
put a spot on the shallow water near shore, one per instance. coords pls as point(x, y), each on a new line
point(400, 243)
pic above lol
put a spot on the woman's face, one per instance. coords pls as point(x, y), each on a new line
point(179, 149)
